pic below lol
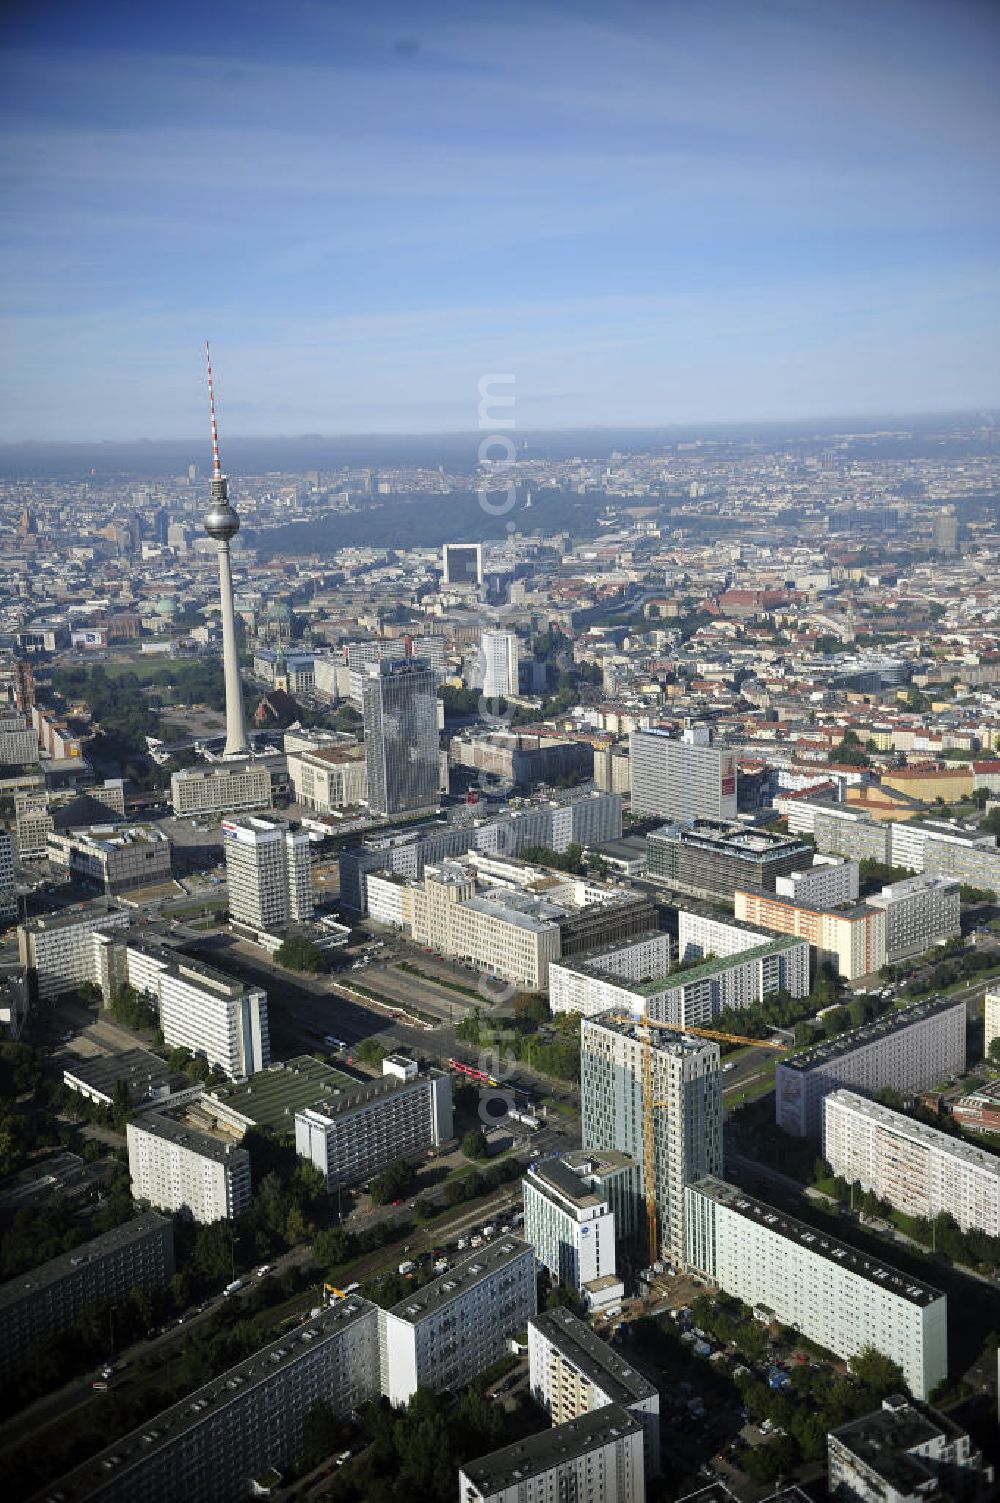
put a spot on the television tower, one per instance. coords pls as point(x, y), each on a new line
point(222, 523)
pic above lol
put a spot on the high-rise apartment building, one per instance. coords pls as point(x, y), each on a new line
point(904, 1453)
point(268, 871)
point(202, 1009)
point(360, 1131)
point(790, 1272)
point(686, 1109)
point(689, 778)
point(399, 703)
point(851, 939)
point(917, 1169)
point(139, 1253)
point(18, 742)
point(499, 664)
point(197, 1171)
point(573, 1372)
point(597, 1457)
point(58, 950)
point(910, 1050)
point(225, 1440)
point(442, 1335)
point(33, 823)
point(919, 912)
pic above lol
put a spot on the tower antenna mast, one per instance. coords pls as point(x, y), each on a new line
point(216, 464)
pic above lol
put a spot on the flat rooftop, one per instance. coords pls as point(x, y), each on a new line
point(884, 1439)
point(869, 1033)
point(183, 1133)
point(460, 1279)
point(166, 1428)
point(682, 974)
point(364, 1092)
point(516, 1464)
point(593, 1357)
point(665, 1040)
point(556, 1179)
point(80, 913)
point(56, 1269)
point(735, 838)
point(271, 1098)
point(141, 1071)
point(881, 1274)
point(919, 1132)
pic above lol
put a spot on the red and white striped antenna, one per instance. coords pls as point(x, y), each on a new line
point(217, 466)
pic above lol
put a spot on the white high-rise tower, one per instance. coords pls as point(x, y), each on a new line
point(222, 523)
point(499, 664)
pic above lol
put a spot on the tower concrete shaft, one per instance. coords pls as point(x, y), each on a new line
point(236, 730)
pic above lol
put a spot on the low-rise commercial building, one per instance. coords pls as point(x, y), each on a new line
point(112, 858)
point(597, 1457)
point(792, 1273)
point(919, 912)
point(221, 1441)
point(573, 1372)
point(911, 1050)
point(443, 1335)
point(917, 1169)
point(520, 758)
point(712, 858)
point(327, 778)
point(903, 1453)
point(181, 1162)
point(980, 1110)
point(353, 1135)
point(106, 1269)
point(146, 1076)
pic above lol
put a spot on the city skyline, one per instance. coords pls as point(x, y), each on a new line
point(650, 215)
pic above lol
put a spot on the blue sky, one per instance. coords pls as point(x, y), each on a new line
point(647, 213)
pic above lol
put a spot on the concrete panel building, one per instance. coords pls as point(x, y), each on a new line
point(8, 888)
point(443, 1335)
point(686, 1110)
point(573, 1372)
point(362, 1130)
point(790, 1272)
point(197, 1171)
point(911, 1050)
point(58, 949)
point(917, 1169)
point(830, 882)
point(221, 1443)
point(597, 1457)
point(268, 871)
point(107, 1268)
point(919, 912)
point(682, 778)
point(33, 822)
point(222, 788)
point(851, 939)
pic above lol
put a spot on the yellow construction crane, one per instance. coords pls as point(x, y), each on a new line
point(645, 1023)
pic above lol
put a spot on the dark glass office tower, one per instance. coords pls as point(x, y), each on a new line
point(399, 699)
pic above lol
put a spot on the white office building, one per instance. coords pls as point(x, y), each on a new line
point(443, 1335)
point(793, 1273)
point(227, 1440)
point(919, 912)
point(268, 871)
point(686, 1110)
point(573, 1372)
point(911, 1050)
point(499, 664)
point(325, 778)
point(58, 949)
point(197, 1172)
point(360, 1131)
point(688, 778)
point(597, 1458)
point(569, 1223)
point(917, 1169)
point(223, 788)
